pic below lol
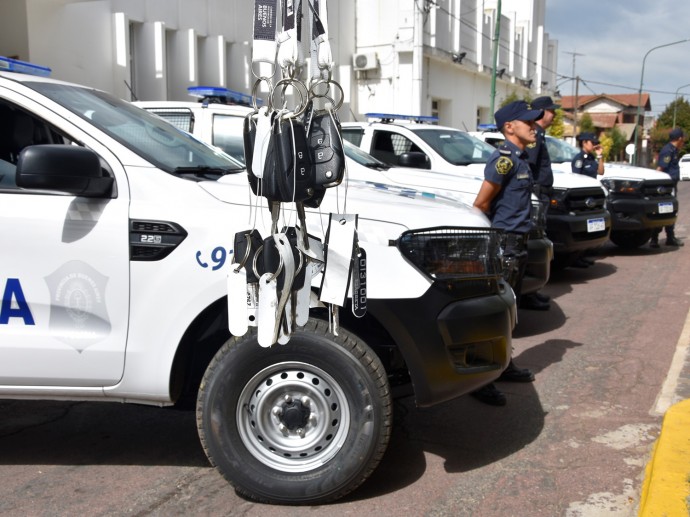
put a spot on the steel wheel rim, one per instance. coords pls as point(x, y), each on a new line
point(293, 417)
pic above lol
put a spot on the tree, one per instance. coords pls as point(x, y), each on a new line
point(557, 127)
point(586, 124)
point(664, 123)
point(615, 144)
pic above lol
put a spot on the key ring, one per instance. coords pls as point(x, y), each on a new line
point(255, 89)
point(273, 275)
point(246, 254)
point(315, 95)
point(303, 94)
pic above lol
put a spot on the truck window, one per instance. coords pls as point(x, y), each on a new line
point(227, 134)
point(18, 130)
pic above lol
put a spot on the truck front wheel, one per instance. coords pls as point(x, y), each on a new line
point(630, 240)
point(301, 423)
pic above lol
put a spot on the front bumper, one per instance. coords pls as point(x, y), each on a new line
point(569, 232)
point(539, 255)
point(451, 347)
point(632, 214)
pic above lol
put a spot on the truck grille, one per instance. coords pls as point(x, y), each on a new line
point(657, 188)
point(583, 200)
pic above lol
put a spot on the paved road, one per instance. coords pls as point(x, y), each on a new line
point(574, 443)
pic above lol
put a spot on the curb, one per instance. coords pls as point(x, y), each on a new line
point(666, 488)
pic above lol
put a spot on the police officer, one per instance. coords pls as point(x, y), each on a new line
point(589, 160)
point(505, 196)
point(542, 174)
point(668, 163)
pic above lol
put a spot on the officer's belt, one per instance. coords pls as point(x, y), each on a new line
point(515, 240)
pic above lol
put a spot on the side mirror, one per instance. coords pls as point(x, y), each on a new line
point(63, 168)
point(414, 159)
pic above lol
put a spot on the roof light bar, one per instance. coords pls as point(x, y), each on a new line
point(390, 117)
point(7, 64)
point(487, 127)
point(221, 95)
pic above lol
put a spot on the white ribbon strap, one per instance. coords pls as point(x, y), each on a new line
point(264, 44)
point(289, 39)
point(321, 55)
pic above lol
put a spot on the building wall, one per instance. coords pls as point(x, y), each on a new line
point(438, 59)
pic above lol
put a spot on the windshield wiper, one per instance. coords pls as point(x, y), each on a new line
point(205, 169)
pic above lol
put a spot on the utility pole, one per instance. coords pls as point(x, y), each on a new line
point(497, 35)
point(574, 90)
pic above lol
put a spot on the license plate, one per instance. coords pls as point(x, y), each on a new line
point(665, 208)
point(596, 225)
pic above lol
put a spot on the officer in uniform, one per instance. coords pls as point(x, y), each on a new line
point(505, 196)
point(589, 160)
point(542, 174)
point(668, 163)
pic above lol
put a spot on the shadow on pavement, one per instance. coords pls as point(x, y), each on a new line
point(464, 432)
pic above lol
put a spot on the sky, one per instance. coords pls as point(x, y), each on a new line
point(613, 37)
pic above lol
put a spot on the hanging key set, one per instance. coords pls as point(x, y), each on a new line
point(294, 153)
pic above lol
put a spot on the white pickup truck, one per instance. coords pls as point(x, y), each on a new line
point(118, 232)
point(638, 199)
point(221, 125)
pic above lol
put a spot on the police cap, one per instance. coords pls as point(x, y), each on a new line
point(518, 110)
point(588, 136)
point(544, 103)
point(676, 133)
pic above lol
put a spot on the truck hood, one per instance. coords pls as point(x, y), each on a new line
point(568, 180)
point(616, 171)
point(384, 211)
point(458, 187)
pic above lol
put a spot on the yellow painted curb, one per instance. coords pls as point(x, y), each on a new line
point(666, 488)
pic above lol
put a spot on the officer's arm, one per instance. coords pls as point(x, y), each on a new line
point(600, 166)
point(573, 165)
point(487, 192)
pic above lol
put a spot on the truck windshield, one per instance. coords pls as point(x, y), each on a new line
point(147, 135)
point(456, 147)
point(560, 151)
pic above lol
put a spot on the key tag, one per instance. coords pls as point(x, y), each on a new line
point(237, 300)
point(267, 312)
point(263, 133)
point(359, 283)
point(339, 252)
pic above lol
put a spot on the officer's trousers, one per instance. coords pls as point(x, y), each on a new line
point(515, 260)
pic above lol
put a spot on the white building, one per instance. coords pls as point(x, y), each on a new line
point(417, 57)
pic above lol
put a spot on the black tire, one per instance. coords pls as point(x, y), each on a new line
point(301, 423)
point(630, 240)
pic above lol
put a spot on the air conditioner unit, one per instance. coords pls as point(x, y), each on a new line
point(365, 61)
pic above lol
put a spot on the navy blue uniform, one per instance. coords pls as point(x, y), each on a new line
point(585, 163)
point(668, 161)
point(540, 164)
point(511, 208)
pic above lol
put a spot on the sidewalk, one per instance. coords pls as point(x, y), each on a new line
point(666, 488)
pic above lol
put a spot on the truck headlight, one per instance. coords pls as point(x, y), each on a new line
point(622, 186)
point(454, 252)
point(557, 201)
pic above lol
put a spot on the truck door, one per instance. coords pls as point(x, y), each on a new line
point(64, 275)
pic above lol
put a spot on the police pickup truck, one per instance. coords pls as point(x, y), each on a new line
point(220, 124)
point(638, 199)
point(576, 219)
point(118, 239)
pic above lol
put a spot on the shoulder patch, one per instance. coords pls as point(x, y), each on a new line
point(667, 159)
point(532, 145)
point(578, 164)
point(503, 165)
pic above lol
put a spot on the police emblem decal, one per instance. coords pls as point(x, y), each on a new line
point(503, 165)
